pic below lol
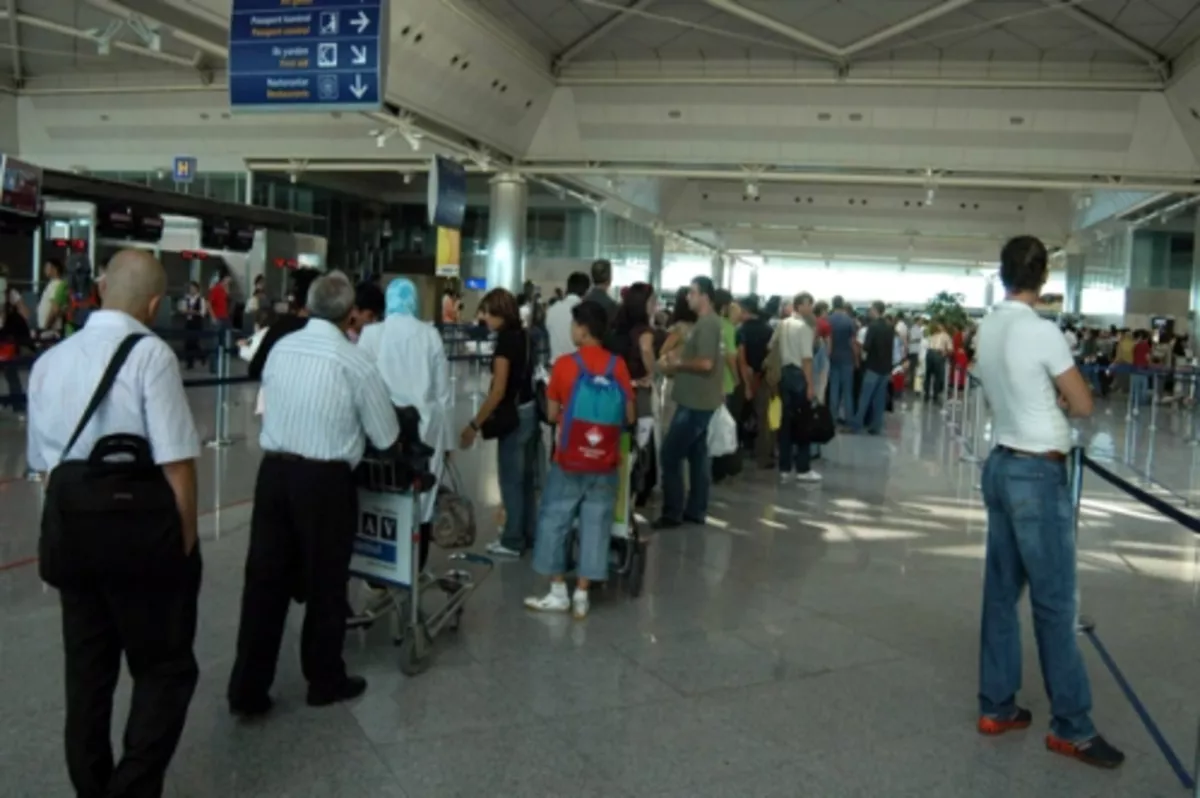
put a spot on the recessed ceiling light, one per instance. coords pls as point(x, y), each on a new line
point(1016, 120)
point(675, 114)
point(856, 117)
point(824, 116)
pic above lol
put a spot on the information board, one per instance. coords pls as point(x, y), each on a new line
point(183, 169)
point(20, 187)
point(319, 55)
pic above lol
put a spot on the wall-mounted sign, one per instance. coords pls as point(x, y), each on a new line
point(316, 55)
point(447, 193)
point(183, 169)
point(475, 284)
point(449, 252)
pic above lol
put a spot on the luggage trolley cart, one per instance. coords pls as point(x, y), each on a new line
point(628, 548)
point(387, 555)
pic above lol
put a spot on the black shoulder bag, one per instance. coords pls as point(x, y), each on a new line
point(111, 518)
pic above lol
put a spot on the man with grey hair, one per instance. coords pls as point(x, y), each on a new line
point(326, 400)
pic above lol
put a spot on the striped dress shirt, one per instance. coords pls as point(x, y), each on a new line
point(326, 398)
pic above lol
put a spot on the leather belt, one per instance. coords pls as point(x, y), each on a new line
point(1056, 457)
point(295, 458)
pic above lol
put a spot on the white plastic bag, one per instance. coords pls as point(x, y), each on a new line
point(722, 433)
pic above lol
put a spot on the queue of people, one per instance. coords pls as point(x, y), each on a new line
point(326, 398)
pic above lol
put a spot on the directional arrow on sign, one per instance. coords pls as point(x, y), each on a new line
point(358, 88)
point(361, 22)
point(358, 55)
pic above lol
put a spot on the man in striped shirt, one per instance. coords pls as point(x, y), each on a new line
point(326, 400)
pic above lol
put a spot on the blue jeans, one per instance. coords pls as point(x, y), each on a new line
point(517, 462)
point(1031, 539)
point(793, 390)
point(872, 401)
point(686, 439)
point(841, 390)
point(590, 498)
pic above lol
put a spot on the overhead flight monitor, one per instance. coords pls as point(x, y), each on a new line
point(329, 55)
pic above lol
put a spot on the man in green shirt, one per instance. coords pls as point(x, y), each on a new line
point(699, 391)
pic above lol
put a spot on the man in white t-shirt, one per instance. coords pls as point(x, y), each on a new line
point(52, 304)
point(1029, 378)
point(795, 338)
point(916, 340)
point(558, 317)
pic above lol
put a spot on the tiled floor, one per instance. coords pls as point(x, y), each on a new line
point(809, 642)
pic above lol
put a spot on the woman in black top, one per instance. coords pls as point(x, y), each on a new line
point(632, 339)
point(509, 415)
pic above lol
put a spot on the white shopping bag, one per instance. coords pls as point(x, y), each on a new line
point(722, 433)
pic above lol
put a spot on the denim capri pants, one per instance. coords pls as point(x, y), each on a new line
point(568, 497)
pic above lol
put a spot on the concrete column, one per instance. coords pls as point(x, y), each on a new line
point(1073, 296)
point(598, 239)
point(506, 232)
point(718, 270)
point(658, 248)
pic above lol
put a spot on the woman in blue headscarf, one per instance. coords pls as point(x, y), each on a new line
point(412, 359)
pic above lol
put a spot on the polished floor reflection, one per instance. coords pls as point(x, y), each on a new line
point(808, 642)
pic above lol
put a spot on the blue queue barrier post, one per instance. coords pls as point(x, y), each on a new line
point(946, 388)
point(1156, 400)
point(1083, 624)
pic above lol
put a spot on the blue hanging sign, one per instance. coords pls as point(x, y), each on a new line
point(315, 55)
point(447, 193)
point(183, 168)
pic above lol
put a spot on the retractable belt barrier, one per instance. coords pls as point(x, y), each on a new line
point(1079, 462)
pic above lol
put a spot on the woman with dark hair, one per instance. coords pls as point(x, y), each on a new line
point(683, 318)
point(632, 338)
point(509, 415)
point(15, 335)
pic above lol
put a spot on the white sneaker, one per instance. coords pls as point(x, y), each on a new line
point(810, 477)
point(498, 549)
point(556, 600)
point(785, 476)
point(580, 605)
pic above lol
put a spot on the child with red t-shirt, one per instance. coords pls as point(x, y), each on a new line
point(590, 398)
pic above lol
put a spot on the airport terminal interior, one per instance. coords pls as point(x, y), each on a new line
point(807, 640)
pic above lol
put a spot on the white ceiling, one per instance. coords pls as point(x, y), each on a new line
point(989, 30)
point(1013, 106)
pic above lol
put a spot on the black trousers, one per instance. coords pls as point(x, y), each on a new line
point(301, 537)
point(155, 628)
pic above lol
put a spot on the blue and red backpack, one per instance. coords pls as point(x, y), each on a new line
point(590, 438)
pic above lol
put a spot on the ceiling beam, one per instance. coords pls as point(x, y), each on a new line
point(198, 32)
point(75, 33)
point(118, 10)
point(735, 9)
point(597, 33)
point(904, 25)
point(14, 39)
point(1151, 56)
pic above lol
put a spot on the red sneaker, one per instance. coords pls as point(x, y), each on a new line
point(1096, 751)
point(995, 726)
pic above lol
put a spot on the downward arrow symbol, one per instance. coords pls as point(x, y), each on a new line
point(358, 54)
point(358, 88)
point(361, 22)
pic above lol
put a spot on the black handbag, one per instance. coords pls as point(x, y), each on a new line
point(812, 423)
point(113, 516)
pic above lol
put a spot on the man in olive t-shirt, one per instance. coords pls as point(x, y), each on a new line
point(699, 391)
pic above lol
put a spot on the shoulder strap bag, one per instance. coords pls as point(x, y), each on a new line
point(110, 518)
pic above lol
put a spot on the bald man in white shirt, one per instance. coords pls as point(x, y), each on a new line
point(153, 624)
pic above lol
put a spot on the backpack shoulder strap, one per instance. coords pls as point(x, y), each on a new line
point(611, 371)
point(106, 383)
